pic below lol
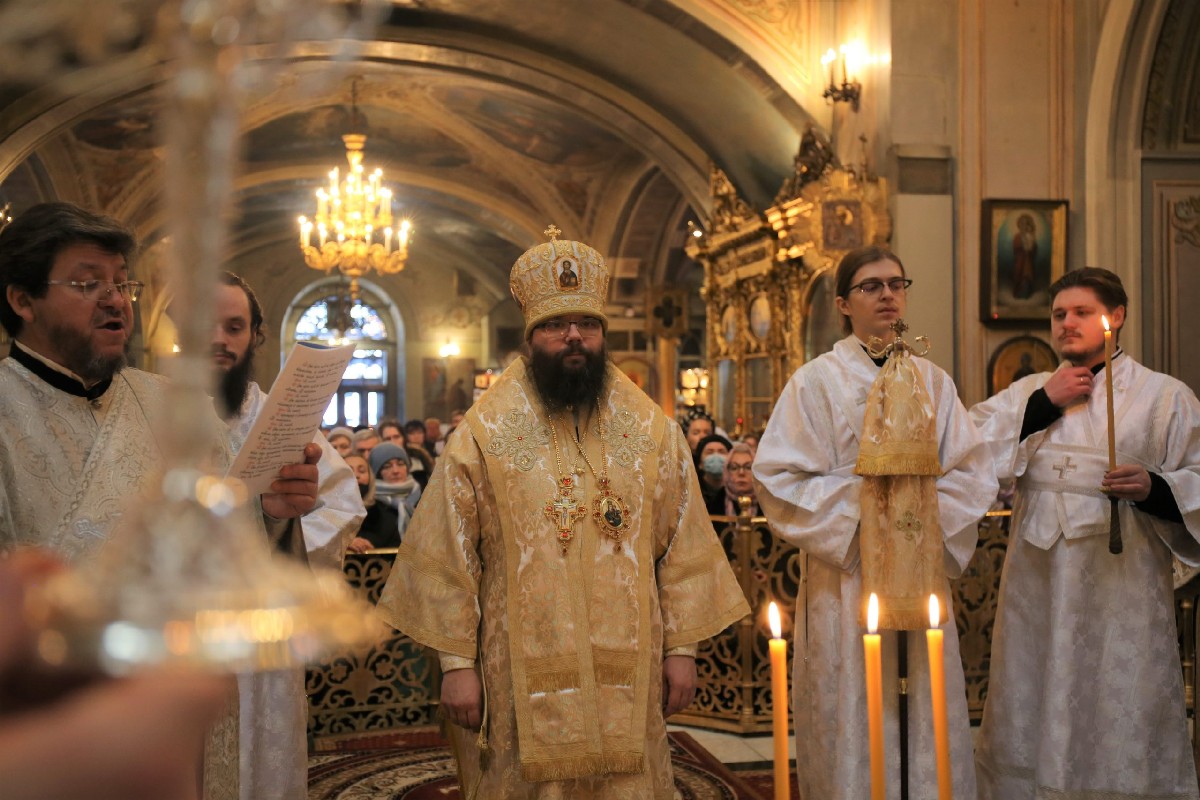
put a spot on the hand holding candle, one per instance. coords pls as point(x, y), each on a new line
point(779, 700)
point(937, 690)
point(1115, 545)
point(874, 665)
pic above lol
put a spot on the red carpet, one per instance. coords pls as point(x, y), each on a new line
point(416, 765)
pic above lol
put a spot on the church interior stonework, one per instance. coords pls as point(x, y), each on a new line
point(723, 156)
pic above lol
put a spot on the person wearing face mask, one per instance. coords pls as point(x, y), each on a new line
point(381, 526)
point(710, 454)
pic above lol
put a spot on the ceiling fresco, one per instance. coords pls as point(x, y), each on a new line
point(530, 126)
point(490, 120)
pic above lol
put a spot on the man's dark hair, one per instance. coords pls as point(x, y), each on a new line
point(1104, 283)
point(694, 415)
point(413, 426)
point(234, 384)
point(388, 422)
point(31, 242)
point(256, 312)
point(851, 263)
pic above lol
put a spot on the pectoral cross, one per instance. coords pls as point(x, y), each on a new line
point(1064, 468)
point(564, 511)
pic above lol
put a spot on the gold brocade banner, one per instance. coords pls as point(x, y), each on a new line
point(900, 534)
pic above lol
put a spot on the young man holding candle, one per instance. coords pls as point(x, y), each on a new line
point(808, 489)
point(1085, 695)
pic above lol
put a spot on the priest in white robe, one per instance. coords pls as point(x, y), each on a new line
point(273, 706)
point(807, 488)
point(78, 447)
point(1085, 693)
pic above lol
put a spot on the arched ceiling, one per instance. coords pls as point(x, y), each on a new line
point(489, 118)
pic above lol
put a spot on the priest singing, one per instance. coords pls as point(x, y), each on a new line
point(871, 466)
point(562, 562)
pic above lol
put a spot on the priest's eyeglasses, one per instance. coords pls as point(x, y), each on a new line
point(874, 287)
point(100, 290)
point(587, 327)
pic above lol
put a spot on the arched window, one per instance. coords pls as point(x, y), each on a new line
point(369, 389)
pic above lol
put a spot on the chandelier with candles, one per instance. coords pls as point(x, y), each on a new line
point(353, 230)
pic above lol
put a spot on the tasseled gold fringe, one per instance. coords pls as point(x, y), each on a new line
point(898, 464)
point(614, 675)
point(901, 619)
point(582, 766)
point(552, 681)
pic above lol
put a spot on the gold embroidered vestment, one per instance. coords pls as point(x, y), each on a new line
point(570, 644)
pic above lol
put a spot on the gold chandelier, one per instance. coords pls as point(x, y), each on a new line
point(353, 224)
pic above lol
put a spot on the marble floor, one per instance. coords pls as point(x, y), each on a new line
point(734, 748)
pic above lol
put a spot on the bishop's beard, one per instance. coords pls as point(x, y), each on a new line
point(233, 385)
point(561, 387)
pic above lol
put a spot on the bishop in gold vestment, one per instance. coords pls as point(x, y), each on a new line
point(563, 552)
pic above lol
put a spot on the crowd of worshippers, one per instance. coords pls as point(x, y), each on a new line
point(564, 554)
point(392, 463)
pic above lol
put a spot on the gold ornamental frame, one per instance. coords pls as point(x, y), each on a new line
point(761, 272)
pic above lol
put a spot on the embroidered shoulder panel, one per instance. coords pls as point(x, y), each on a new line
point(626, 439)
point(519, 434)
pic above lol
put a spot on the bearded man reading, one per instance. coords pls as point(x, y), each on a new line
point(562, 562)
point(273, 706)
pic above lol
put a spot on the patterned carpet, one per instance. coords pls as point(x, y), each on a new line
point(416, 765)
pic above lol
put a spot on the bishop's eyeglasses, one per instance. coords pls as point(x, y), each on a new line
point(874, 287)
point(587, 327)
point(100, 290)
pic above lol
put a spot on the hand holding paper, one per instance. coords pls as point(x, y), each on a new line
point(294, 492)
point(275, 447)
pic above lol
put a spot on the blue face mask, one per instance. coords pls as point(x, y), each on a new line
point(713, 464)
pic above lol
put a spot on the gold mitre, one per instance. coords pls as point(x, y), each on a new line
point(559, 277)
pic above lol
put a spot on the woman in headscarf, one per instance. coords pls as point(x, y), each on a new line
point(393, 484)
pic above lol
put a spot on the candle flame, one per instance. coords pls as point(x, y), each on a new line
point(872, 613)
point(1104, 319)
point(773, 617)
point(935, 615)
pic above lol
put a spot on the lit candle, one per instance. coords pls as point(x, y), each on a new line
point(874, 663)
point(1108, 387)
point(779, 698)
point(937, 690)
point(303, 226)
